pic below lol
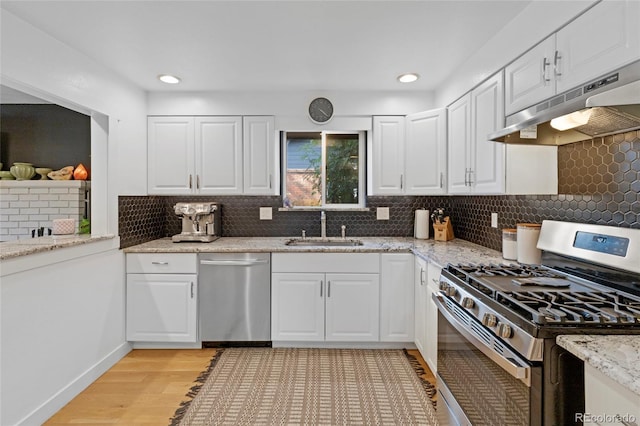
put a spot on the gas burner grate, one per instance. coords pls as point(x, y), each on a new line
point(566, 308)
point(511, 270)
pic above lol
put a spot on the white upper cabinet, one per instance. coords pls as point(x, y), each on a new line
point(476, 165)
point(409, 154)
point(218, 156)
point(388, 155)
point(259, 155)
point(171, 167)
point(604, 38)
point(426, 153)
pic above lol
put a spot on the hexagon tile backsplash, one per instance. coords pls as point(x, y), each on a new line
point(599, 182)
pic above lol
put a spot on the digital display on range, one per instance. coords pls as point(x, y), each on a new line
point(601, 243)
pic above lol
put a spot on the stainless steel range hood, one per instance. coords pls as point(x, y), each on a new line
point(609, 105)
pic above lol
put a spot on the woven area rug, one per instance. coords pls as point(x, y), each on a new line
point(265, 386)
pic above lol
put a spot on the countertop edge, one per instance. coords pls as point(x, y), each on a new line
point(19, 248)
point(615, 356)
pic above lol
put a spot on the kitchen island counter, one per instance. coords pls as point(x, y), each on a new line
point(439, 252)
point(615, 356)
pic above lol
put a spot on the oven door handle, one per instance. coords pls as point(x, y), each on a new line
point(508, 363)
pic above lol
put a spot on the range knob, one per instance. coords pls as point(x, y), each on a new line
point(451, 291)
point(505, 331)
point(468, 302)
point(489, 320)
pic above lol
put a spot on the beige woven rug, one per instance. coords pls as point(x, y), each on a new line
point(265, 386)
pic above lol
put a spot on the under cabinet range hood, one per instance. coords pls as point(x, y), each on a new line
point(602, 107)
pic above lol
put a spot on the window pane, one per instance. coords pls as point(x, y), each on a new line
point(342, 170)
point(303, 173)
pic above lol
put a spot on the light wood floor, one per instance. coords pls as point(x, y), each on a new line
point(145, 388)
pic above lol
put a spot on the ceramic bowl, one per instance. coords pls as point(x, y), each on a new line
point(43, 172)
point(6, 175)
point(23, 171)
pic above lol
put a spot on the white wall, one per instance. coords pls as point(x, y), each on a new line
point(62, 325)
point(537, 21)
point(39, 65)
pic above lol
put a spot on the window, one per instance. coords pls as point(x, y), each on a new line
point(323, 169)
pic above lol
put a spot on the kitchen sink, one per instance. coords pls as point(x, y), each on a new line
point(311, 242)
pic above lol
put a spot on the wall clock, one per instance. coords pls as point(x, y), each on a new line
point(320, 110)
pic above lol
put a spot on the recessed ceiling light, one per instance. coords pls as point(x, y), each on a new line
point(169, 79)
point(408, 78)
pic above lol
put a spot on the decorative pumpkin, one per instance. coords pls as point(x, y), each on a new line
point(64, 173)
point(80, 173)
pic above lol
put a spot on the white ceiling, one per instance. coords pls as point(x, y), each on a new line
point(274, 45)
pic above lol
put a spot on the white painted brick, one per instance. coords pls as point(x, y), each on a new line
point(71, 197)
point(4, 204)
point(49, 210)
point(38, 190)
point(29, 211)
point(48, 197)
point(11, 197)
point(7, 225)
point(58, 191)
point(29, 225)
point(4, 217)
point(71, 211)
point(58, 204)
point(29, 197)
point(4, 191)
point(10, 211)
point(9, 238)
point(18, 204)
point(39, 204)
point(18, 190)
point(39, 217)
point(17, 231)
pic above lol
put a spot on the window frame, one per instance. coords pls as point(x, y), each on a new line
point(362, 164)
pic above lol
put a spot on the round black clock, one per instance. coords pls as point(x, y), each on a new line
point(320, 110)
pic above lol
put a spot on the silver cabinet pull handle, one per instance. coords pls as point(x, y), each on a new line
point(422, 277)
point(401, 181)
point(190, 181)
point(470, 180)
point(435, 281)
point(545, 64)
point(441, 179)
point(466, 174)
point(192, 289)
point(328, 288)
point(159, 263)
point(197, 181)
point(269, 180)
point(556, 63)
point(321, 284)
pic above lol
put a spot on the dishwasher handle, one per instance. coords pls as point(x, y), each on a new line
point(247, 262)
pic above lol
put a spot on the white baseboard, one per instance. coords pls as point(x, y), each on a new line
point(70, 391)
point(345, 345)
point(162, 345)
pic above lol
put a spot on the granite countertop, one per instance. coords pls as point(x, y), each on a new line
point(616, 356)
point(18, 248)
point(439, 252)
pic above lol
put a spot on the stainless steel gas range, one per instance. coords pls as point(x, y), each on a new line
point(498, 362)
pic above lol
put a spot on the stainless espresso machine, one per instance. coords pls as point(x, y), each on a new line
point(200, 222)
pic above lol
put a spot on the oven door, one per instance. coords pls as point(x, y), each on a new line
point(481, 381)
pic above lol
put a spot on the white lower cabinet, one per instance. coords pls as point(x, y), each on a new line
point(162, 298)
point(607, 401)
point(431, 340)
point(420, 304)
point(325, 297)
point(396, 297)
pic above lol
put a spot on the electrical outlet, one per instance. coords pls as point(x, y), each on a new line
point(382, 213)
point(266, 213)
point(494, 220)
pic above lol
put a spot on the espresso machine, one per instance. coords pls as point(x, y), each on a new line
point(200, 222)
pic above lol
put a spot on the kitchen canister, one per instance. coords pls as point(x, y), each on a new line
point(421, 225)
point(64, 226)
point(510, 244)
point(527, 243)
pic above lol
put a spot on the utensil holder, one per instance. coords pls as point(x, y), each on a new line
point(443, 231)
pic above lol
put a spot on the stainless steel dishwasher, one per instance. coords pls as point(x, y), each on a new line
point(234, 297)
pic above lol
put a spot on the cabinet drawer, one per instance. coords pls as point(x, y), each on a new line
point(326, 262)
point(162, 263)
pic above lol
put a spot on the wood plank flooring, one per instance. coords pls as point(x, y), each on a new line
point(145, 388)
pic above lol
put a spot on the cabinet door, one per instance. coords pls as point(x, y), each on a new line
point(431, 341)
point(297, 306)
point(161, 307)
point(487, 157)
point(171, 151)
point(352, 307)
point(388, 155)
point(259, 155)
point(530, 78)
point(604, 38)
point(426, 153)
point(218, 155)
point(606, 397)
point(420, 304)
point(459, 139)
point(397, 298)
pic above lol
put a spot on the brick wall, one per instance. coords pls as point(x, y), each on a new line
point(31, 204)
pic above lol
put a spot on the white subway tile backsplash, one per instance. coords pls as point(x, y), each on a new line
point(29, 205)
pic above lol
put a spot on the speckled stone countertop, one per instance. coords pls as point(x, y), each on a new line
point(616, 356)
point(17, 248)
point(439, 252)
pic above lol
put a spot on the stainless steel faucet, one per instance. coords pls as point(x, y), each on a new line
point(323, 224)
